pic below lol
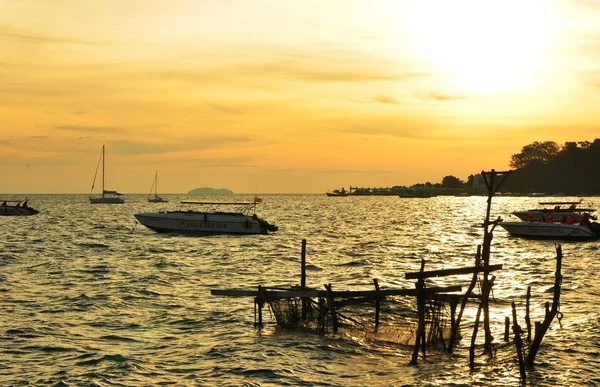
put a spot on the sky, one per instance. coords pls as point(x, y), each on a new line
point(287, 96)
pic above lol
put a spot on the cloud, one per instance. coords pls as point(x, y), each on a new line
point(91, 129)
point(386, 100)
point(130, 147)
point(383, 130)
point(33, 38)
point(223, 108)
point(313, 63)
point(589, 5)
point(355, 171)
point(225, 162)
point(435, 95)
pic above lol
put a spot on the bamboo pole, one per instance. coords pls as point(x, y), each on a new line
point(492, 187)
point(420, 336)
point(527, 318)
point(447, 272)
point(331, 305)
point(259, 302)
point(542, 328)
point(305, 301)
point(377, 304)
point(271, 294)
point(464, 302)
point(474, 338)
point(487, 241)
point(518, 342)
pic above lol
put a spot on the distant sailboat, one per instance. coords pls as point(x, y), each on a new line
point(107, 197)
point(155, 198)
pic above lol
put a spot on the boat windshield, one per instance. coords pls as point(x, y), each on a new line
point(230, 207)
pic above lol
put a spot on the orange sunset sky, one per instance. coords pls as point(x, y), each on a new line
point(287, 96)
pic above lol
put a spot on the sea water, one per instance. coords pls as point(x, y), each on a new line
point(88, 297)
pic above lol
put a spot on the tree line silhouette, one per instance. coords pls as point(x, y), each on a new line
point(572, 169)
point(547, 167)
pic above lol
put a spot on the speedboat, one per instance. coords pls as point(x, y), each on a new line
point(559, 211)
point(542, 230)
point(208, 218)
point(16, 208)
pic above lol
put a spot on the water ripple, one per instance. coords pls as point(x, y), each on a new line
point(90, 299)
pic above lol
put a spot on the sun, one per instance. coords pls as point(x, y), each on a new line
point(479, 45)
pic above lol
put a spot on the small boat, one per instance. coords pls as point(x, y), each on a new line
point(209, 219)
point(338, 192)
point(106, 197)
point(559, 211)
point(155, 198)
point(16, 208)
point(542, 230)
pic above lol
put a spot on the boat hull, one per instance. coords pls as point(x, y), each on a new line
point(540, 230)
point(157, 199)
point(557, 215)
point(203, 223)
point(17, 211)
point(107, 200)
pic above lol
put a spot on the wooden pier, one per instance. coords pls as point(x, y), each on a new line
point(438, 317)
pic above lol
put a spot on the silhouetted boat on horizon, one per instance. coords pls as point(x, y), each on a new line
point(19, 208)
point(106, 196)
point(155, 198)
point(338, 192)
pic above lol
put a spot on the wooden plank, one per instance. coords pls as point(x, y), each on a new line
point(447, 272)
point(299, 293)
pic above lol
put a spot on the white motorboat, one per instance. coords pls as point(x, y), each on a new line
point(16, 208)
point(209, 218)
point(539, 230)
point(106, 196)
point(155, 198)
point(559, 211)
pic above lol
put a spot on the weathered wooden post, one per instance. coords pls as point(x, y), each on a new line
point(518, 342)
point(541, 328)
point(506, 328)
point(474, 338)
point(527, 318)
point(258, 304)
point(485, 293)
point(377, 303)
point(420, 337)
point(305, 301)
point(331, 304)
point(453, 305)
point(487, 241)
point(322, 314)
point(465, 300)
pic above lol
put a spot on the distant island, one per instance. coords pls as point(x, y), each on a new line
point(210, 191)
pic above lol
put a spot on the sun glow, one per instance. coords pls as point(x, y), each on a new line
point(482, 46)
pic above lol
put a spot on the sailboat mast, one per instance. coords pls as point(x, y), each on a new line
point(155, 183)
point(102, 170)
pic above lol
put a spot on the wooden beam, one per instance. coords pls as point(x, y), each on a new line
point(447, 272)
point(312, 293)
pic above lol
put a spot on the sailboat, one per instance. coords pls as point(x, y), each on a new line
point(107, 197)
point(155, 198)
